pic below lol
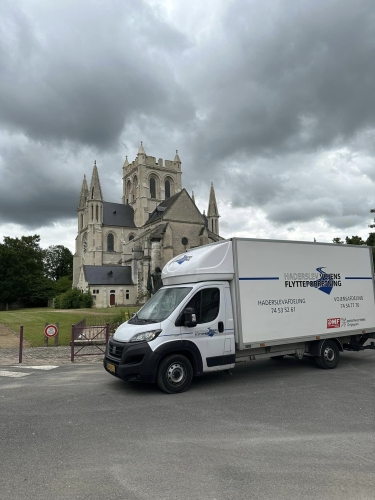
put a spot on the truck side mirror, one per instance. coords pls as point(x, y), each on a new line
point(190, 317)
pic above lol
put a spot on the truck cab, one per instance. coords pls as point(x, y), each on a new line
point(188, 327)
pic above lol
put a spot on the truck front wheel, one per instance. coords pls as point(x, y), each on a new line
point(329, 355)
point(175, 374)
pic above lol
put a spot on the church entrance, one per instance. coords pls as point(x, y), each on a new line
point(112, 298)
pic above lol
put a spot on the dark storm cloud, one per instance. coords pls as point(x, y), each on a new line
point(271, 100)
point(33, 195)
point(81, 71)
point(298, 75)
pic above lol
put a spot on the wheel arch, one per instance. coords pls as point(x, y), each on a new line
point(185, 348)
point(316, 346)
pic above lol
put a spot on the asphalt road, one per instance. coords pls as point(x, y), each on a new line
point(273, 430)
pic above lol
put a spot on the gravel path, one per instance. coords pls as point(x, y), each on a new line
point(36, 356)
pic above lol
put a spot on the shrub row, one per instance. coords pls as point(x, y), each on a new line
point(73, 299)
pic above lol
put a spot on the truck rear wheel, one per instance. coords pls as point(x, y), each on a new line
point(175, 374)
point(329, 355)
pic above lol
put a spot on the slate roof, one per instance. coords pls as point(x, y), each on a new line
point(108, 275)
point(162, 208)
point(117, 214)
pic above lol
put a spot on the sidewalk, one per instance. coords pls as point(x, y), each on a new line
point(36, 356)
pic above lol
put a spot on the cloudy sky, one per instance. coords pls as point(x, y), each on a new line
point(273, 101)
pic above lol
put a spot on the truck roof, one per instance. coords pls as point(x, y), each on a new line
point(206, 263)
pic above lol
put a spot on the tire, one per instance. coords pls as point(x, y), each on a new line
point(329, 355)
point(278, 358)
point(175, 374)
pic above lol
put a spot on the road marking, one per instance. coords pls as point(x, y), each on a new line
point(42, 367)
point(4, 373)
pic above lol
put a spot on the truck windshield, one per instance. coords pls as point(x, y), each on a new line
point(161, 305)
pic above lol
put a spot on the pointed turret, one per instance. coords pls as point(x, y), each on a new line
point(84, 194)
point(141, 150)
point(95, 189)
point(176, 157)
point(126, 162)
point(213, 212)
point(192, 196)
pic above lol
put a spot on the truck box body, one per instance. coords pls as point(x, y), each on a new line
point(286, 291)
point(244, 299)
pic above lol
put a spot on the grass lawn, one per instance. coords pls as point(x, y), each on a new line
point(35, 319)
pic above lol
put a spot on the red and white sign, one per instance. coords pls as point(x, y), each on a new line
point(51, 331)
point(333, 323)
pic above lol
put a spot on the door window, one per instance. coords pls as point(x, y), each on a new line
point(206, 304)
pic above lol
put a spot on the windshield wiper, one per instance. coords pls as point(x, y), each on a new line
point(136, 320)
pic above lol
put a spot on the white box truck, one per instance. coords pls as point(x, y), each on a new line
point(245, 299)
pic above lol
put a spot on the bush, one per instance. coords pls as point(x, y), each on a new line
point(73, 299)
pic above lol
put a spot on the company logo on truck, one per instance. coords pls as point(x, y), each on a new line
point(333, 322)
point(321, 280)
point(183, 259)
point(209, 332)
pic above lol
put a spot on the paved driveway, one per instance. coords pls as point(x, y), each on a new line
point(273, 430)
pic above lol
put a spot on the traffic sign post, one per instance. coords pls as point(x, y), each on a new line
point(50, 332)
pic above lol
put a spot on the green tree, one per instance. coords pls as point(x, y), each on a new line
point(354, 240)
point(58, 262)
point(63, 284)
point(21, 272)
point(371, 240)
point(337, 240)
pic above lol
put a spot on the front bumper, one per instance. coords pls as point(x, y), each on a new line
point(131, 361)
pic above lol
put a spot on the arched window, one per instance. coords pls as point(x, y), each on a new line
point(110, 243)
point(92, 212)
point(92, 194)
point(97, 212)
point(167, 189)
point(128, 190)
point(135, 187)
point(81, 221)
point(131, 237)
point(152, 188)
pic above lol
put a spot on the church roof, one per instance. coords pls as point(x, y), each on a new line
point(108, 275)
point(163, 207)
point(117, 214)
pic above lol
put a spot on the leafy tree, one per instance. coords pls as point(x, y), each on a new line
point(371, 240)
point(354, 240)
point(21, 272)
point(63, 284)
point(337, 240)
point(58, 262)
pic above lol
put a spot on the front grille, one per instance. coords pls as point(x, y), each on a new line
point(115, 351)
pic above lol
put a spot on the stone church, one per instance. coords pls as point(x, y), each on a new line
point(120, 245)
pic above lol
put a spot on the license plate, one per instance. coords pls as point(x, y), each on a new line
point(111, 368)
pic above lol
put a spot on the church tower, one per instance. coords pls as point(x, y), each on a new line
point(93, 238)
point(147, 182)
point(213, 212)
point(82, 213)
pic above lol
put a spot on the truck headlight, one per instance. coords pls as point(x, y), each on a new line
point(145, 336)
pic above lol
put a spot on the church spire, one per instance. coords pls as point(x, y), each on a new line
point(84, 194)
point(213, 212)
point(126, 162)
point(95, 189)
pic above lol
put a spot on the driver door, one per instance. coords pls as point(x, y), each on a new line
point(209, 336)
